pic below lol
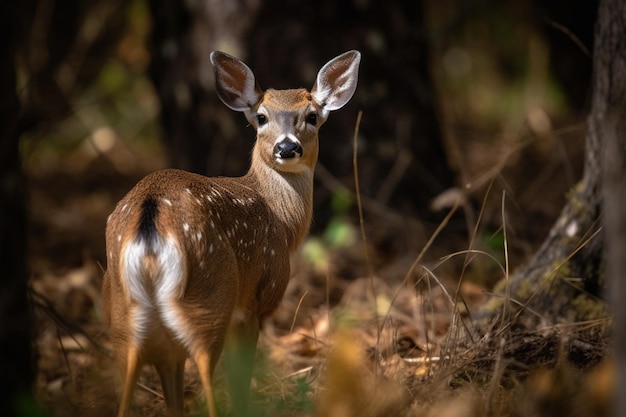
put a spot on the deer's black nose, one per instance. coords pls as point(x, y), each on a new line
point(287, 149)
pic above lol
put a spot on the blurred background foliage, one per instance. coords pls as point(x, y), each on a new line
point(454, 95)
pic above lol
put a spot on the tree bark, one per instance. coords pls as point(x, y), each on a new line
point(565, 280)
point(16, 364)
point(614, 186)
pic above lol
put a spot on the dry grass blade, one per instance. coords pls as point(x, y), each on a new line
point(40, 302)
point(295, 314)
point(357, 189)
point(507, 294)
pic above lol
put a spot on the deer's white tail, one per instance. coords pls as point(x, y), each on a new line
point(154, 271)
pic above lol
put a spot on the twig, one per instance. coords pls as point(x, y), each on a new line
point(570, 35)
point(42, 303)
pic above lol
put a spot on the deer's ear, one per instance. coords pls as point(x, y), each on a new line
point(336, 81)
point(235, 82)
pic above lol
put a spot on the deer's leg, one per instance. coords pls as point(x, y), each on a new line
point(172, 381)
point(205, 361)
point(208, 314)
point(131, 366)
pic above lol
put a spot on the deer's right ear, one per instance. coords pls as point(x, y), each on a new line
point(235, 82)
point(336, 81)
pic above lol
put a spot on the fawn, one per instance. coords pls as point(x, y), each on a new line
point(194, 263)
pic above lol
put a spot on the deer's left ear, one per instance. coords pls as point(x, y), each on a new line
point(336, 81)
point(235, 82)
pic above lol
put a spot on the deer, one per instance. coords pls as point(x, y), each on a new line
point(197, 263)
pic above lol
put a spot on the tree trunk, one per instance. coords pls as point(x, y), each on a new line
point(200, 134)
point(614, 187)
point(564, 281)
point(15, 319)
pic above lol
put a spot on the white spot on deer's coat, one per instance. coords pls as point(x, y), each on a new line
point(124, 207)
point(273, 252)
point(188, 191)
point(168, 202)
point(211, 248)
point(198, 201)
point(199, 236)
point(185, 227)
point(119, 238)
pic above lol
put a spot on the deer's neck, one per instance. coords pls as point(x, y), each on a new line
point(289, 196)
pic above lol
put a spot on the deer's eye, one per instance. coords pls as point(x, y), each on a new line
point(312, 119)
point(261, 119)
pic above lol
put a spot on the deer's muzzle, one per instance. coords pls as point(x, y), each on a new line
point(287, 148)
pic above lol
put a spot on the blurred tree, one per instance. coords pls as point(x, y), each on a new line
point(200, 134)
point(615, 231)
point(16, 362)
point(63, 51)
point(565, 279)
point(52, 68)
point(613, 130)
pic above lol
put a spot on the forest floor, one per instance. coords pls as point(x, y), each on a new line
point(377, 329)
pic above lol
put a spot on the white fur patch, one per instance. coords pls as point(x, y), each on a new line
point(168, 283)
point(133, 273)
point(172, 279)
point(170, 288)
